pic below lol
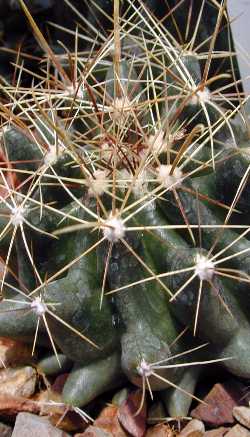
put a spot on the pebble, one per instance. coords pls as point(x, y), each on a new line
point(238, 431)
point(31, 425)
point(160, 430)
point(195, 428)
point(134, 424)
point(242, 415)
point(220, 402)
point(108, 421)
point(219, 432)
point(93, 431)
point(13, 352)
point(18, 382)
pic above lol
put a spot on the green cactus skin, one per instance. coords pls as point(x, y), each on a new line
point(85, 383)
point(191, 205)
point(120, 397)
point(176, 402)
point(135, 110)
point(18, 322)
point(23, 152)
point(149, 329)
point(49, 364)
point(216, 324)
point(232, 167)
point(237, 347)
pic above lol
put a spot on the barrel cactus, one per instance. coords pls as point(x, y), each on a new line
point(126, 221)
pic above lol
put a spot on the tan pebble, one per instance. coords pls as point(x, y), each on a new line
point(195, 428)
point(13, 352)
point(238, 431)
point(20, 381)
point(242, 415)
point(94, 431)
point(160, 430)
point(219, 432)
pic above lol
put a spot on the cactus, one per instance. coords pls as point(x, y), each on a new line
point(120, 231)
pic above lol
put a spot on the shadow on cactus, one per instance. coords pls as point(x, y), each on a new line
point(119, 233)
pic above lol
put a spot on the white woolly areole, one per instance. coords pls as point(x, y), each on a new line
point(121, 105)
point(114, 229)
point(98, 183)
point(144, 369)
point(75, 91)
point(17, 215)
point(167, 179)
point(201, 96)
point(52, 155)
point(204, 268)
point(38, 306)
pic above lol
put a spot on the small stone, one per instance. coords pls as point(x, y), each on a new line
point(18, 382)
point(219, 432)
point(5, 430)
point(59, 382)
point(93, 431)
point(31, 425)
point(13, 352)
point(219, 404)
point(132, 421)
point(10, 406)
point(195, 428)
point(108, 421)
point(52, 406)
point(242, 415)
point(238, 431)
point(160, 430)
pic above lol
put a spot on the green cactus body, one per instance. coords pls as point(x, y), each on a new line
point(232, 178)
point(149, 329)
point(191, 206)
point(217, 322)
point(87, 382)
point(178, 404)
point(49, 364)
point(25, 154)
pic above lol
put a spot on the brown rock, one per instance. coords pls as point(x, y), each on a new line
point(52, 406)
point(18, 382)
point(160, 430)
point(238, 431)
point(219, 432)
point(31, 425)
point(195, 428)
point(220, 402)
point(14, 352)
point(108, 421)
point(12, 405)
point(242, 415)
point(133, 423)
point(59, 382)
point(94, 431)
